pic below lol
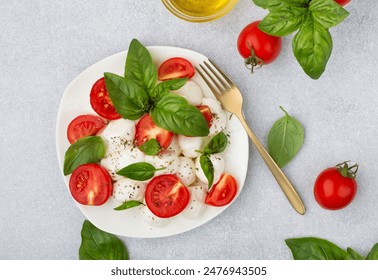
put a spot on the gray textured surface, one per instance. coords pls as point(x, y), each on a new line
point(45, 44)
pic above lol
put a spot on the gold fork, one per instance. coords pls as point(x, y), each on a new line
point(231, 99)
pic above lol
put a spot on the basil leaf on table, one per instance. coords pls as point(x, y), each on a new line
point(353, 255)
point(140, 171)
point(89, 149)
point(100, 245)
point(167, 86)
point(150, 147)
point(128, 204)
point(139, 67)
point(173, 113)
point(274, 4)
point(217, 144)
point(311, 248)
point(129, 99)
point(208, 169)
point(285, 139)
point(283, 21)
point(373, 254)
point(327, 12)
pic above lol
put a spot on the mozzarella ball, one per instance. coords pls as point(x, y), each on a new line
point(153, 220)
point(130, 156)
point(126, 189)
point(167, 160)
point(119, 134)
point(174, 147)
point(111, 164)
point(186, 171)
point(191, 92)
point(196, 205)
point(218, 164)
point(219, 122)
point(189, 145)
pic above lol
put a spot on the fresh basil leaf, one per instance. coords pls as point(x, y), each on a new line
point(208, 169)
point(353, 255)
point(150, 147)
point(327, 12)
point(285, 139)
point(273, 4)
point(310, 248)
point(172, 112)
point(167, 86)
point(130, 100)
point(139, 67)
point(283, 21)
point(373, 254)
point(128, 204)
point(217, 144)
point(100, 245)
point(312, 47)
point(89, 149)
point(140, 171)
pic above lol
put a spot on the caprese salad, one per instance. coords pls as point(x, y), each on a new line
point(156, 142)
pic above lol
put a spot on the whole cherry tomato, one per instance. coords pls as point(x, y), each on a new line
point(336, 187)
point(343, 2)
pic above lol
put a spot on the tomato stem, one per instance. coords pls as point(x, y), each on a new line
point(252, 61)
point(346, 170)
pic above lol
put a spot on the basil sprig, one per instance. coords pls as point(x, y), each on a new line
point(128, 204)
point(312, 248)
point(312, 45)
point(89, 149)
point(208, 169)
point(140, 171)
point(97, 244)
point(285, 139)
point(138, 93)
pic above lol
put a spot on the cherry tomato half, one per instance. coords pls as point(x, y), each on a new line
point(176, 67)
point(343, 2)
point(146, 129)
point(223, 192)
point(90, 184)
point(101, 102)
point(84, 125)
point(335, 188)
point(206, 112)
point(166, 196)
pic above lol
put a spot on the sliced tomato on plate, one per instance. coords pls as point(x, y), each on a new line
point(223, 192)
point(101, 102)
point(166, 196)
point(84, 125)
point(146, 129)
point(91, 184)
point(206, 112)
point(175, 67)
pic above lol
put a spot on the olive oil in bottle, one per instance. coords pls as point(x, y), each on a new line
point(200, 8)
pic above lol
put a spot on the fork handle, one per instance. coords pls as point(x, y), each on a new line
point(280, 177)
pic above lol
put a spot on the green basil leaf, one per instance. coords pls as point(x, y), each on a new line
point(172, 112)
point(139, 67)
point(285, 139)
point(373, 254)
point(310, 248)
point(327, 12)
point(150, 147)
point(100, 245)
point(208, 169)
point(129, 204)
point(166, 87)
point(273, 4)
point(283, 21)
point(89, 149)
point(217, 144)
point(130, 100)
point(353, 255)
point(312, 47)
point(140, 171)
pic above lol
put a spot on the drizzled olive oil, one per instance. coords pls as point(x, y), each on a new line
point(200, 8)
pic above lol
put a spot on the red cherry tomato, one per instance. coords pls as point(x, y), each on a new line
point(336, 187)
point(223, 192)
point(101, 102)
point(90, 184)
point(206, 112)
point(176, 67)
point(257, 47)
point(166, 196)
point(343, 2)
point(146, 129)
point(84, 125)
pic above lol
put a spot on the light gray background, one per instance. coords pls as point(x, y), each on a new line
point(45, 44)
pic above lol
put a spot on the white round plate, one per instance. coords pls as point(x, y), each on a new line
point(131, 223)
